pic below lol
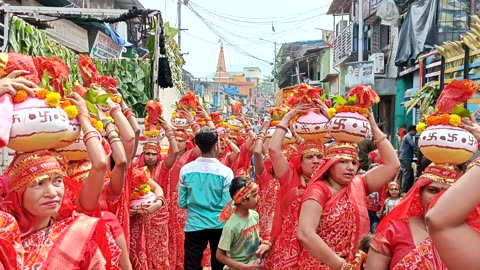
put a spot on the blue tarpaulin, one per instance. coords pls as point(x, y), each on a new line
point(231, 91)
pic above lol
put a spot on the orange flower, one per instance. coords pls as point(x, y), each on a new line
point(93, 121)
point(353, 109)
point(445, 119)
point(66, 103)
point(20, 96)
point(41, 94)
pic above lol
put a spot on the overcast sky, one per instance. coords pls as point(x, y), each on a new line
point(243, 23)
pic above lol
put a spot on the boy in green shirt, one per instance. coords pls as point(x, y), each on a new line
point(240, 246)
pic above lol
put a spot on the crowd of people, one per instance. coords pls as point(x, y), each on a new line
point(300, 206)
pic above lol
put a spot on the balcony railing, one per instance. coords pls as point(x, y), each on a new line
point(343, 45)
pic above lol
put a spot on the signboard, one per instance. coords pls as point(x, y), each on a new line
point(359, 73)
point(104, 47)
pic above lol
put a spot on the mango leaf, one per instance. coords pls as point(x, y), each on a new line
point(102, 99)
point(45, 81)
point(91, 108)
point(461, 111)
point(338, 100)
point(91, 96)
point(68, 87)
point(351, 101)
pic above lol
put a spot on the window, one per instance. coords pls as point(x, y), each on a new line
point(452, 19)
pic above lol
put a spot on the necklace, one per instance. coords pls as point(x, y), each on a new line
point(306, 180)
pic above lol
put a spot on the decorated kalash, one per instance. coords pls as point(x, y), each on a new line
point(76, 139)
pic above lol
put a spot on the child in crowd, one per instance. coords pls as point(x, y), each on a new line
point(392, 200)
point(240, 245)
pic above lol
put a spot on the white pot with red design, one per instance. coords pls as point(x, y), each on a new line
point(180, 121)
point(349, 127)
point(72, 135)
point(447, 144)
point(234, 124)
point(75, 151)
point(289, 138)
point(312, 126)
point(37, 126)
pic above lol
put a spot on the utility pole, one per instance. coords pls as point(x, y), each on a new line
point(275, 66)
point(360, 30)
point(179, 15)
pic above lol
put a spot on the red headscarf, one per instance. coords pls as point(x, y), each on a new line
point(149, 147)
point(411, 204)
point(28, 168)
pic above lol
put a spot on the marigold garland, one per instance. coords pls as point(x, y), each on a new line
point(351, 109)
point(149, 133)
point(140, 191)
point(20, 96)
point(442, 119)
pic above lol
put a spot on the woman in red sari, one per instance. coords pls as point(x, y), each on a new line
point(293, 178)
point(402, 240)
point(177, 216)
point(454, 220)
point(334, 214)
point(151, 231)
point(54, 236)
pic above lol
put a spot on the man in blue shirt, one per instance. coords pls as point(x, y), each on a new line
point(204, 192)
point(407, 152)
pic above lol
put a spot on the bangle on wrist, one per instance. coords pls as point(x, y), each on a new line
point(282, 128)
point(379, 140)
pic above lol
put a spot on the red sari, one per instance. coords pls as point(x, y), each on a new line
point(286, 248)
point(267, 190)
point(344, 220)
point(11, 249)
point(243, 163)
point(149, 247)
point(177, 216)
point(76, 242)
point(396, 241)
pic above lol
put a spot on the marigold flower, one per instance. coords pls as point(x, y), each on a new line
point(65, 104)
point(332, 112)
point(53, 99)
point(455, 120)
point(148, 133)
point(93, 121)
point(99, 126)
point(421, 127)
point(203, 123)
point(111, 119)
point(20, 96)
point(42, 93)
point(155, 132)
point(445, 119)
point(71, 111)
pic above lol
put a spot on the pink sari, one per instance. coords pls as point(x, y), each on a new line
point(344, 219)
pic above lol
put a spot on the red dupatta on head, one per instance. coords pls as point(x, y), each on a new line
point(411, 205)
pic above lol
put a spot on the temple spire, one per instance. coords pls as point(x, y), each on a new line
point(221, 73)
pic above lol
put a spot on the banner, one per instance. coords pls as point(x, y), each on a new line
point(359, 73)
